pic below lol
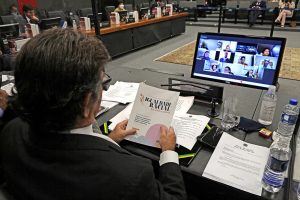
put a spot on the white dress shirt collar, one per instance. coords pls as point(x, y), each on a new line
point(88, 130)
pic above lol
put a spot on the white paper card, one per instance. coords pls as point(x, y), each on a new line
point(238, 164)
point(188, 127)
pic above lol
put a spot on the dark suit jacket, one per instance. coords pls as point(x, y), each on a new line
point(57, 166)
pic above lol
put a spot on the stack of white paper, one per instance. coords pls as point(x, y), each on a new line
point(121, 92)
point(238, 164)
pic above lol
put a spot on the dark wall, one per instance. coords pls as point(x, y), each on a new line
point(63, 4)
point(4, 4)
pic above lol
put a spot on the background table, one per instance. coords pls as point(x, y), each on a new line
point(123, 38)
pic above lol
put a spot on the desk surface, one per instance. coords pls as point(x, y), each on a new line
point(122, 27)
point(248, 106)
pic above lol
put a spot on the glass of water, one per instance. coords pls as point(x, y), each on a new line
point(230, 118)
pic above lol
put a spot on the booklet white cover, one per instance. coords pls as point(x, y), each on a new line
point(152, 108)
point(238, 164)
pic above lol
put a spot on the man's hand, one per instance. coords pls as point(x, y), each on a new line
point(120, 132)
point(3, 99)
point(167, 138)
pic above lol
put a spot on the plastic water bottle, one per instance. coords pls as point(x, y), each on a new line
point(288, 120)
point(268, 106)
point(277, 164)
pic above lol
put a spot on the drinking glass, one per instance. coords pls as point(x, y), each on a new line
point(230, 117)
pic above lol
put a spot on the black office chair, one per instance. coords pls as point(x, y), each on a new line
point(41, 13)
point(128, 7)
point(108, 10)
point(229, 12)
point(84, 12)
point(145, 5)
point(57, 13)
point(8, 19)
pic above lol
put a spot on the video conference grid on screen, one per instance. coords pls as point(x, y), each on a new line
point(248, 61)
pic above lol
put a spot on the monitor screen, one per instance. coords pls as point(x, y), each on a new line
point(238, 59)
point(9, 31)
point(50, 23)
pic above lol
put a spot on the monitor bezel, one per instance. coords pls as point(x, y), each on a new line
point(283, 40)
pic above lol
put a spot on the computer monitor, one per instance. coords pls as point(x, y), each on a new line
point(91, 16)
point(238, 59)
point(50, 23)
point(144, 12)
point(123, 15)
point(8, 31)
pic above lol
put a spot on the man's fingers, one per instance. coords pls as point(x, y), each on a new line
point(123, 124)
point(130, 132)
point(163, 130)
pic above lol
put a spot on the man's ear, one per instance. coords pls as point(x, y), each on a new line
point(86, 105)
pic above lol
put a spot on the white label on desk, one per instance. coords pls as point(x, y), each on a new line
point(238, 164)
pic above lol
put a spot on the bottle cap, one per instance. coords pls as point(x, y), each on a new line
point(293, 102)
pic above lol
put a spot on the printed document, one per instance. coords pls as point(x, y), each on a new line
point(188, 127)
point(184, 104)
point(121, 92)
point(238, 164)
point(152, 108)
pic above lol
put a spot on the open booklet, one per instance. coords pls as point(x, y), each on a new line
point(148, 119)
point(152, 108)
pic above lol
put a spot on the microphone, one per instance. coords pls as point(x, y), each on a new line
point(214, 100)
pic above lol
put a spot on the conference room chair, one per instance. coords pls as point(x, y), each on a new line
point(230, 11)
point(57, 13)
point(108, 10)
point(8, 19)
point(190, 7)
point(296, 15)
point(242, 11)
point(84, 12)
point(128, 7)
point(41, 13)
point(145, 5)
point(272, 11)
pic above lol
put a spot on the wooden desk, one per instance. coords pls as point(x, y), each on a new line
point(123, 38)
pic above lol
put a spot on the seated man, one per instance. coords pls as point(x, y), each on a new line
point(29, 15)
point(256, 10)
point(56, 154)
